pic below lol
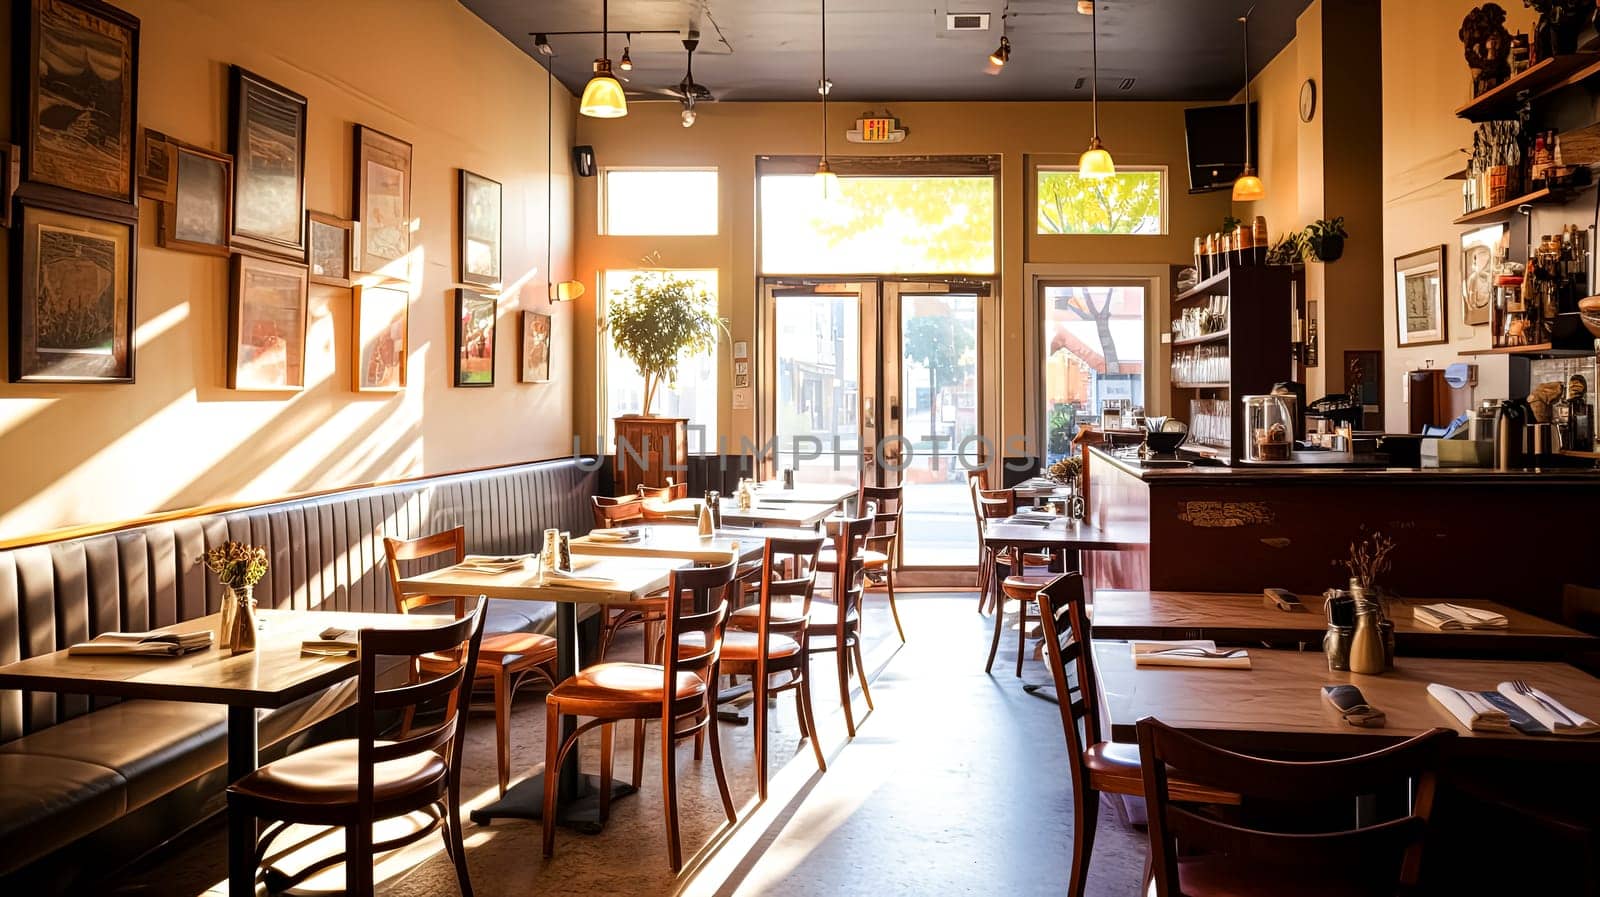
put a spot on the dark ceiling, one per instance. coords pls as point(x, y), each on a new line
point(882, 50)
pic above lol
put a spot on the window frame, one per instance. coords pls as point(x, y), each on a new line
point(1039, 169)
point(605, 349)
point(603, 210)
point(1042, 281)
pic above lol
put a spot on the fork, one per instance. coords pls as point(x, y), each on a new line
point(1196, 651)
point(1523, 688)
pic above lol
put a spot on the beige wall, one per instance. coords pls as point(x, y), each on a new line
point(731, 135)
point(427, 71)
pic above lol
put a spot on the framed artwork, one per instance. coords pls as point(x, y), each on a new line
point(1479, 249)
point(329, 253)
point(380, 338)
point(383, 203)
point(267, 325)
point(480, 229)
point(535, 347)
point(10, 177)
point(72, 311)
point(196, 219)
point(76, 106)
point(267, 136)
point(1419, 297)
point(155, 165)
point(475, 320)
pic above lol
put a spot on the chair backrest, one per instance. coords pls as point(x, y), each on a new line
point(849, 539)
point(458, 640)
point(614, 511)
point(996, 503)
point(671, 491)
point(1064, 625)
point(886, 522)
point(452, 541)
point(1376, 859)
point(978, 477)
point(698, 602)
point(788, 571)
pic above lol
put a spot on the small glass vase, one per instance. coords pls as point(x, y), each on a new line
point(238, 629)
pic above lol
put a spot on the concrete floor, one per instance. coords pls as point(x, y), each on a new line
point(956, 784)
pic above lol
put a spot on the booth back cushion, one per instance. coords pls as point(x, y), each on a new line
point(326, 553)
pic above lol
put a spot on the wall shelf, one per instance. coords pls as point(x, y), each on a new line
point(1221, 385)
point(1221, 336)
point(1545, 77)
point(1534, 350)
point(1216, 284)
point(1509, 207)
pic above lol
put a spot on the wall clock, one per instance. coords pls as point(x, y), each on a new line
point(1308, 99)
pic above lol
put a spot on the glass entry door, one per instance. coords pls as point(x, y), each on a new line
point(821, 415)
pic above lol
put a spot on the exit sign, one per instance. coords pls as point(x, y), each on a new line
point(876, 129)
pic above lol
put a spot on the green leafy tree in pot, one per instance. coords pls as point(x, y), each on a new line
point(662, 319)
point(1323, 240)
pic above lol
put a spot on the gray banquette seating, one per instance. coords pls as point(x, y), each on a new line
point(88, 784)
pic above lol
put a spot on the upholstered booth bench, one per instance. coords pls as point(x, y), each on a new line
point(87, 785)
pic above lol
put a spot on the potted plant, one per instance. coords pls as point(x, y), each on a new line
point(661, 319)
point(1323, 240)
point(1287, 250)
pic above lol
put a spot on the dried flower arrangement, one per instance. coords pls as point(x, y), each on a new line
point(1369, 559)
point(236, 564)
point(1065, 471)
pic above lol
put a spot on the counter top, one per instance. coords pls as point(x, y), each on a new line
point(1241, 474)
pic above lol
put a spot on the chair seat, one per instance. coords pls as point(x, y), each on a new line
point(824, 614)
point(741, 645)
point(1025, 586)
point(508, 650)
point(1114, 768)
point(625, 685)
point(1221, 876)
point(325, 775)
point(828, 560)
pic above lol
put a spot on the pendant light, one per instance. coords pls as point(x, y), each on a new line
point(1248, 187)
point(603, 97)
point(566, 290)
point(1095, 161)
point(826, 180)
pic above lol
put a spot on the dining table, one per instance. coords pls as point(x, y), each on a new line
point(1233, 618)
point(594, 580)
point(273, 675)
point(837, 494)
point(762, 512)
point(1276, 705)
point(671, 540)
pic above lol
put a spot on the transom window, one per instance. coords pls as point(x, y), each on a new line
point(1132, 201)
point(651, 202)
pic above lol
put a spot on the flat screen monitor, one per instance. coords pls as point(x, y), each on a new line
point(1215, 140)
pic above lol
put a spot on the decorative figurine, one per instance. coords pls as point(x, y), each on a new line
point(1487, 46)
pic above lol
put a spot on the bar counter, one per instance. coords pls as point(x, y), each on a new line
point(1516, 537)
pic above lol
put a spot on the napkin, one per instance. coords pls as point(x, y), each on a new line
point(1550, 712)
point(610, 534)
point(1458, 616)
point(562, 577)
point(1471, 709)
point(482, 564)
point(1196, 653)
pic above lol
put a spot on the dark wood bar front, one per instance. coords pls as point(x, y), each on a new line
point(1514, 537)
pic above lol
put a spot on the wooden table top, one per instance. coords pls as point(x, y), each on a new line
point(1041, 488)
point(813, 493)
point(669, 540)
point(627, 579)
point(272, 675)
point(796, 514)
point(1227, 617)
point(1060, 533)
point(1277, 704)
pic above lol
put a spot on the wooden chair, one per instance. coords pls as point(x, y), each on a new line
point(680, 692)
point(835, 626)
point(978, 478)
point(672, 491)
point(624, 510)
point(788, 573)
point(1243, 861)
point(1098, 766)
point(620, 510)
point(506, 659)
point(995, 504)
point(354, 782)
point(881, 552)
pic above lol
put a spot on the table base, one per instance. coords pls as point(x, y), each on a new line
point(525, 800)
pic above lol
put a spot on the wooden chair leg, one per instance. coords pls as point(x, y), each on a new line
point(358, 860)
point(716, 767)
point(638, 752)
point(999, 623)
point(894, 608)
point(1022, 635)
point(1085, 816)
point(669, 794)
point(861, 672)
point(502, 726)
point(552, 775)
point(759, 686)
point(841, 659)
point(606, 745)
point(458, 849)
point(802, 702)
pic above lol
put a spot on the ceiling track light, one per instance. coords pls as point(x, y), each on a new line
point(542, 44)
point(1085, 7)
point(1248, 188)
point(603, 96)
point(626, 62)
point(1002, 54)
point(1096, 161)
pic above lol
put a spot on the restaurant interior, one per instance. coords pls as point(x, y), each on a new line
point(794, 447)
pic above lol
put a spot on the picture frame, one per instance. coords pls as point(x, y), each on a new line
point(1419, 298)
point(10, 178)
point(330, 253)
point(155, 165)
point(266, 325)
point(476, 317)
point(382, 181)
point(267, 137)
point(1479, 250)
point(77, 126)
point(199, 216)
point(479, 229)
point(534, 360)
point(382, 349)
point(73, 290)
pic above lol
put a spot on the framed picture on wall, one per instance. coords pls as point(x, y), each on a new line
point(76, 80)
point(267, 136)
point(267, 325)
point(475, 320)
point(72, 285)
point(1479, 249)
point(382, 203)
point(197, 217)
point(1419, 298)
point(381, 348)
point(535, 361)
point(479, 228)
point(155, 165)
point(10, 177)
point(331, 245)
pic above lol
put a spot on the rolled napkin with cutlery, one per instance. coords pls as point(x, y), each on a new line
point(615, 534)
point(477, 563)
point(1196, 653)
point(578, 580)
point(1472, 709)
point(1445, 616)
point(1550, 713)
